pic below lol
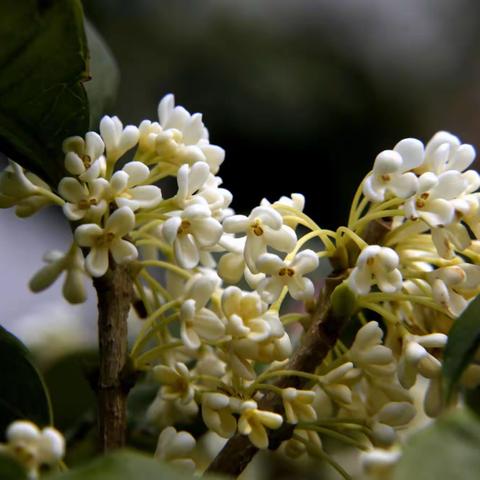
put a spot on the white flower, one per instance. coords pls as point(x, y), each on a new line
point(33, 447)
point(433, 200)
point(368, 353)
point(174, 447)
point(245, 313)
point(57, 262)
point(101, 241)
point(298, 405)
point(217, 415)
point(452, 286)
point(380, 463)
point(445, 152)
point(83, 200)
point(295, 201)
point(252, 422)
point(288, 274)
point(176, 382)
point(263, 227)
point(376, 265)
point(22, 189)
point(190, 231)
point(186, 136)
point(118, 140)
point(391, 174)
point(84, 158)
point(197, 322)
point(190, 180)
point(127, 191)
point(416, 358)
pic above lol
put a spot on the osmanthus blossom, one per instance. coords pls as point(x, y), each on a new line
point(376, 265)
point(82, 200)
point(127, 189)
point(118, 139)
point(32, 447)
point(263, 228)
point(217, 414)
point(73, 264)
point(225, 348)
point(187, 136)
point(176, 382)
point(85, 158)
point(253, 422)
point(176, 448)
point(453, 285)
point(288, 274)
point(102, 241)
point(298, 405)
point(189, 231)
point(392, 173)
point(199, 324)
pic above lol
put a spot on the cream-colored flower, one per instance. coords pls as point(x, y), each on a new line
point(126, 187)
point(175, 447)
point(190, 231)
point(84, 157)
point(217, 415)
point(254, 423)
point(368, 353)
point(72, 263)
point(376, 265)
point(101, 241)
point(176, 382)
point(118, 140)
point(263, 227)
point(83, 201)
point(298, 405)
point(288, 274)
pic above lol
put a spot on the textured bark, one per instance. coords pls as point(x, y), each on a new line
point(115, 294)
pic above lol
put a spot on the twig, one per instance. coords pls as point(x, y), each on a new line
point(115, 295)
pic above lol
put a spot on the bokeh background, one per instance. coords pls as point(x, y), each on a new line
point(302, 94)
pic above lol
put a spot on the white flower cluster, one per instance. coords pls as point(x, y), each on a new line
point(215, 323)
point(32, 447)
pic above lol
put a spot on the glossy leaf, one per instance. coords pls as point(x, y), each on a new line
point(43, 60)
point(11, 470)
point(125, 465)
point(463, 341)
point(22, 393)
point(448, 449)
point(105, 78)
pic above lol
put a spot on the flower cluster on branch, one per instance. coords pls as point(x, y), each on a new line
point(223, 291)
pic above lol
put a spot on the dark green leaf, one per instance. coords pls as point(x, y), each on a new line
point(448, 449)
point(11, 470)
point(43, 60)
point(125, 465)
point(105, 77)
point(22, 393)
point(463, 341)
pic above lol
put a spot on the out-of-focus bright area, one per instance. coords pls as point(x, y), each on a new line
point(302, 94)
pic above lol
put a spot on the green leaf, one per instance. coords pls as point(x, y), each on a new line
point(463, 341)
point(22, 393)
point(448, 449)
point(11, 470)
point(124, 465)
point(43, 60)
point(105, 78)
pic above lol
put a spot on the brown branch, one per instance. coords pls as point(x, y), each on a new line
point(115, 294)
point(324, 331)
